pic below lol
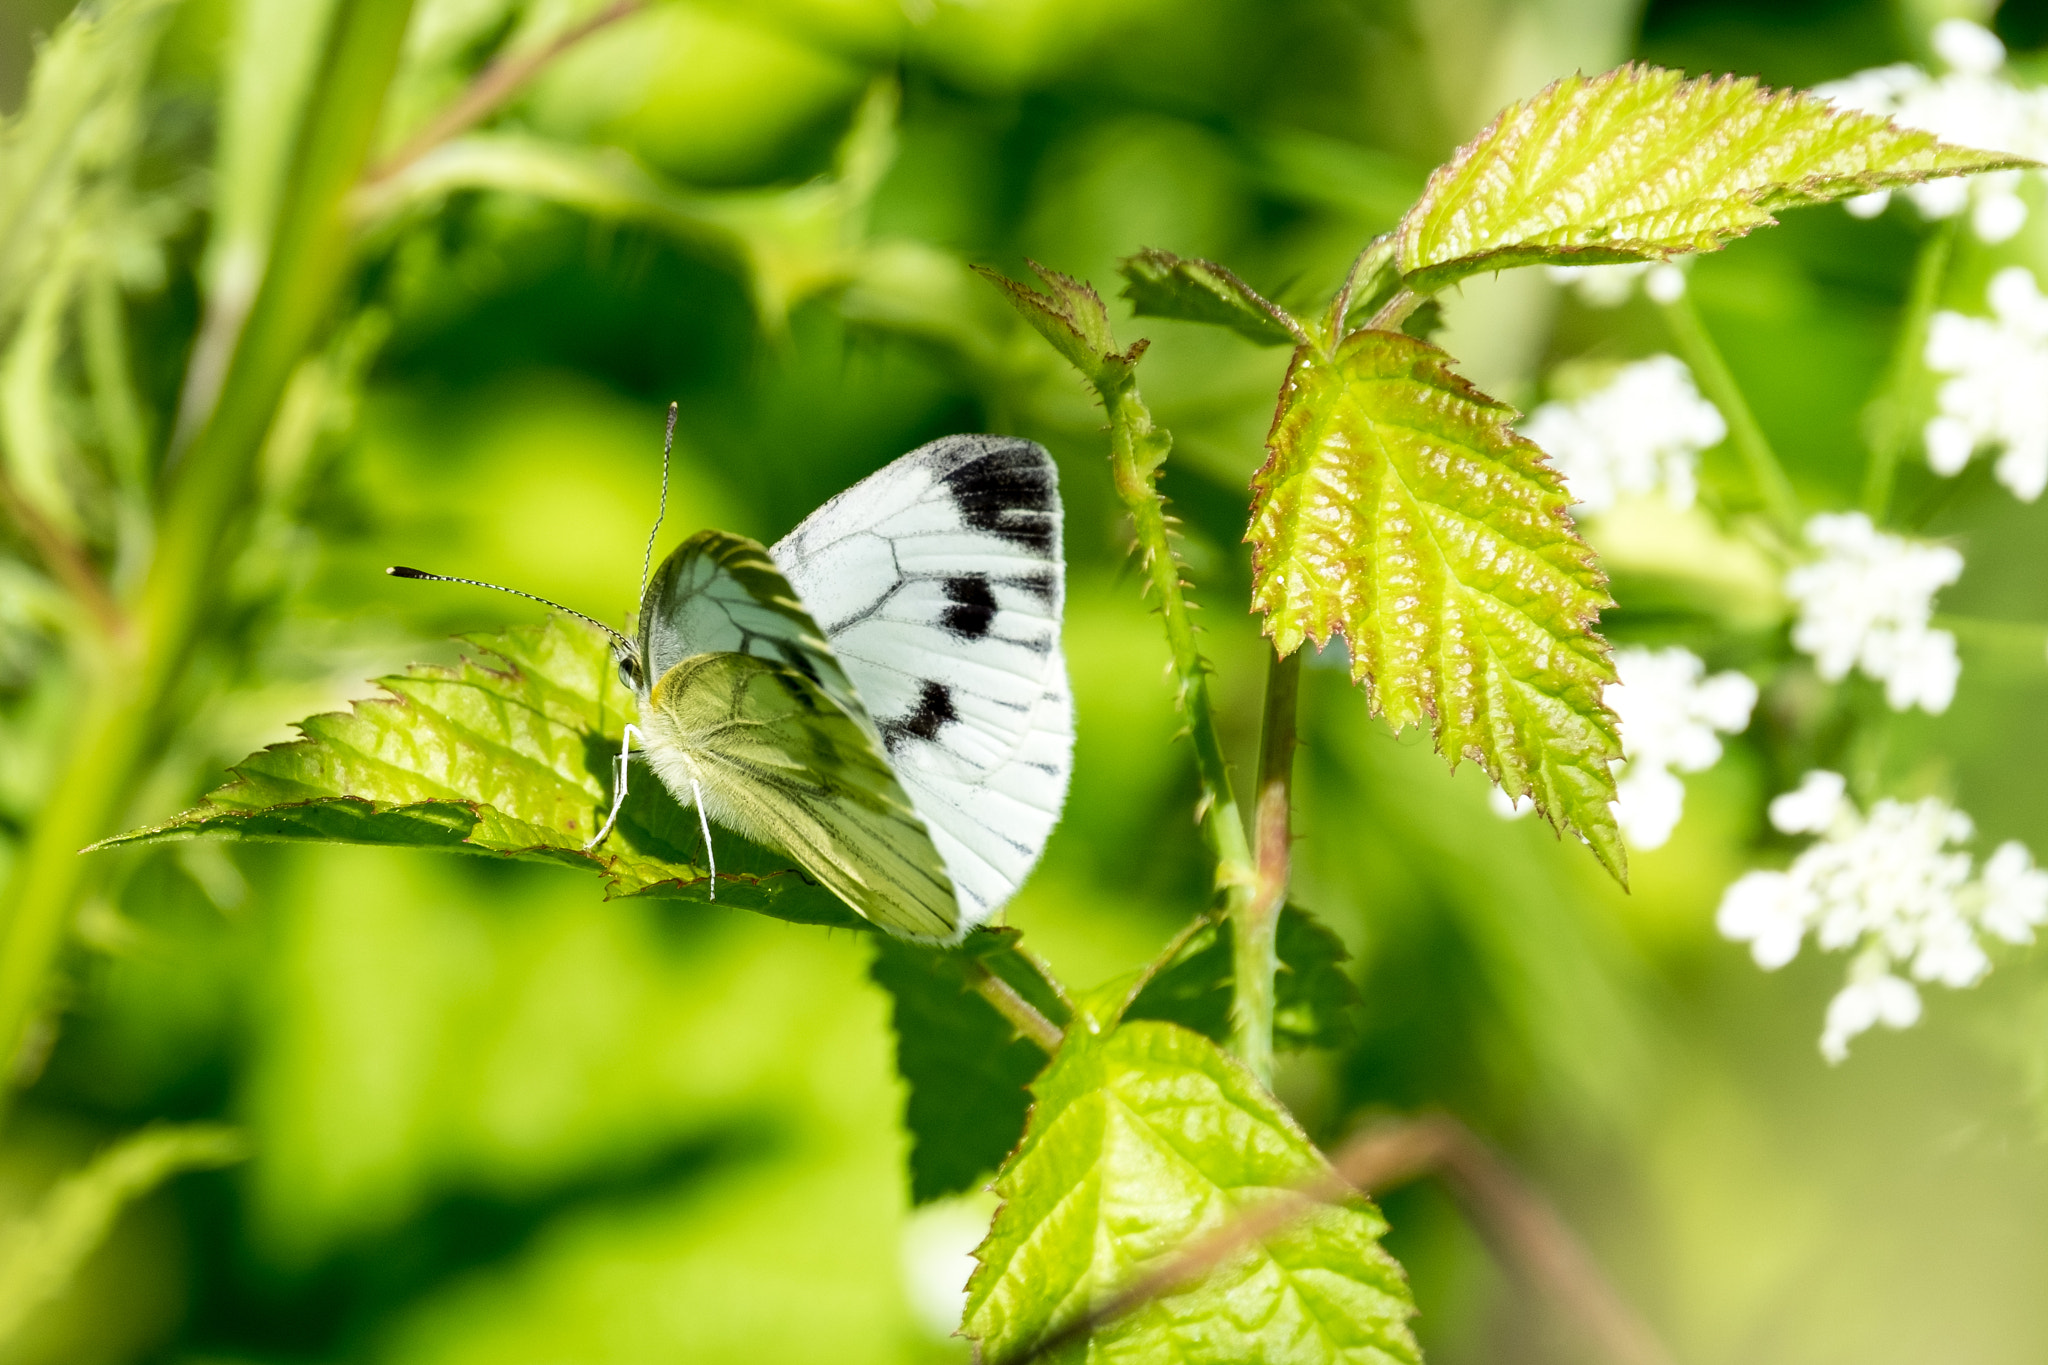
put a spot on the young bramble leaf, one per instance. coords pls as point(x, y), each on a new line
point(964, 1065)
point(1190, 984)
point(1642, 164)
point(1071, 316)
point(1163, 285)
point(514, 760)
point(1142, 1142)
point(1397, 507)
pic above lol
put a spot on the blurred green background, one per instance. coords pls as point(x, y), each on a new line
point(497, 1119)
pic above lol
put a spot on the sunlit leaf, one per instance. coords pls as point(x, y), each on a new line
point(1141, 1142)
point(966, 1069)
point(1314, 999)
point(1163, 285)
point(1642, 164)
point(511, 755)
point(1397, 507)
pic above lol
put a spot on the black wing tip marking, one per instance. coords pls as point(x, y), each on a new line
point(1004, 485)
point(970, 606)
point(934, 711)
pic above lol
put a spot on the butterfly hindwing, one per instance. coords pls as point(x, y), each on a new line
point(783, 764)
point(939, 583)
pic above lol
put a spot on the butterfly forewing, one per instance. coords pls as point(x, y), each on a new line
point(721, 593)
point(939, 583)
point(782, 763)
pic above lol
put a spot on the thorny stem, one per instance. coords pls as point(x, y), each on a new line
point(1887, 421)
point(1136, 449)
point(1022, 1014)
point(1718, 384)
point(497, 83)
point(1255, 958)
point(114, 736)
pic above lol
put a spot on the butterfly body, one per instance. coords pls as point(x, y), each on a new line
point(882, 694)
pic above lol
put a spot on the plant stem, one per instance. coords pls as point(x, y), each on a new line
point(1022, 1014)
point(1255, 956)
point(1887, 421)
point(1136, 451)
point(498, 82)
point(1718, 384)
point(123, 715)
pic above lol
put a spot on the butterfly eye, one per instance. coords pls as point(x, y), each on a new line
point(629, 671)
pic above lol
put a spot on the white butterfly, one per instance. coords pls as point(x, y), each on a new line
point(882, 693)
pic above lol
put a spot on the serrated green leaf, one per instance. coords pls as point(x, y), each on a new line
point(1397, 506)
point(1642, 164)
point(1163, 285)
point(1071, 316)
point(1142, 1141)
point(966, 1070)
point(513, 759)
point(1314, 998)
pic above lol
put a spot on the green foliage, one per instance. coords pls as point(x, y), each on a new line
point(1163, 285)
point(40, 1254)
point(1315, 1000)
point(1141, 1142)
point(966, 1069)
point(792, 243)
point(1642, 164)
point(1398, 507)
point(511, 756)
point(1070, 315)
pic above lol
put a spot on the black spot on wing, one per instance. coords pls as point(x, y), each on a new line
point(1010, 489)
point(971, 608)
point(934, 710)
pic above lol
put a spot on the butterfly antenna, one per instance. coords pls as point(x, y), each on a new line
point(668, 443)
point(400, 571)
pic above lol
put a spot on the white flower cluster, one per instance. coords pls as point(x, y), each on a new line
point(1867, 602)
point(1641, 433)
point(1974, 104)
point(1672, 716)
point(1997, 396)
point(1890, 887)
point(1610, 286)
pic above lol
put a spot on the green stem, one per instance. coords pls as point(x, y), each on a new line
point(1022, 1014)
point(1136, 450)
point(1255, 954)
point(123, 715)
point(1888, 420)
point(1699, 351)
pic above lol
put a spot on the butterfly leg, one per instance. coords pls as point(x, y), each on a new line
point(704, 823)
point(618, 784)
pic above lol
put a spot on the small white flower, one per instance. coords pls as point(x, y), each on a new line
point(1672, 716)
point(1814, 806)
point(1974, 104)
point(1997, 396)
point(1867, 603)
point(2015, 893)
point(1640, 434)
point(1610, 286)
point(1879, 998)
point(1892, 887)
